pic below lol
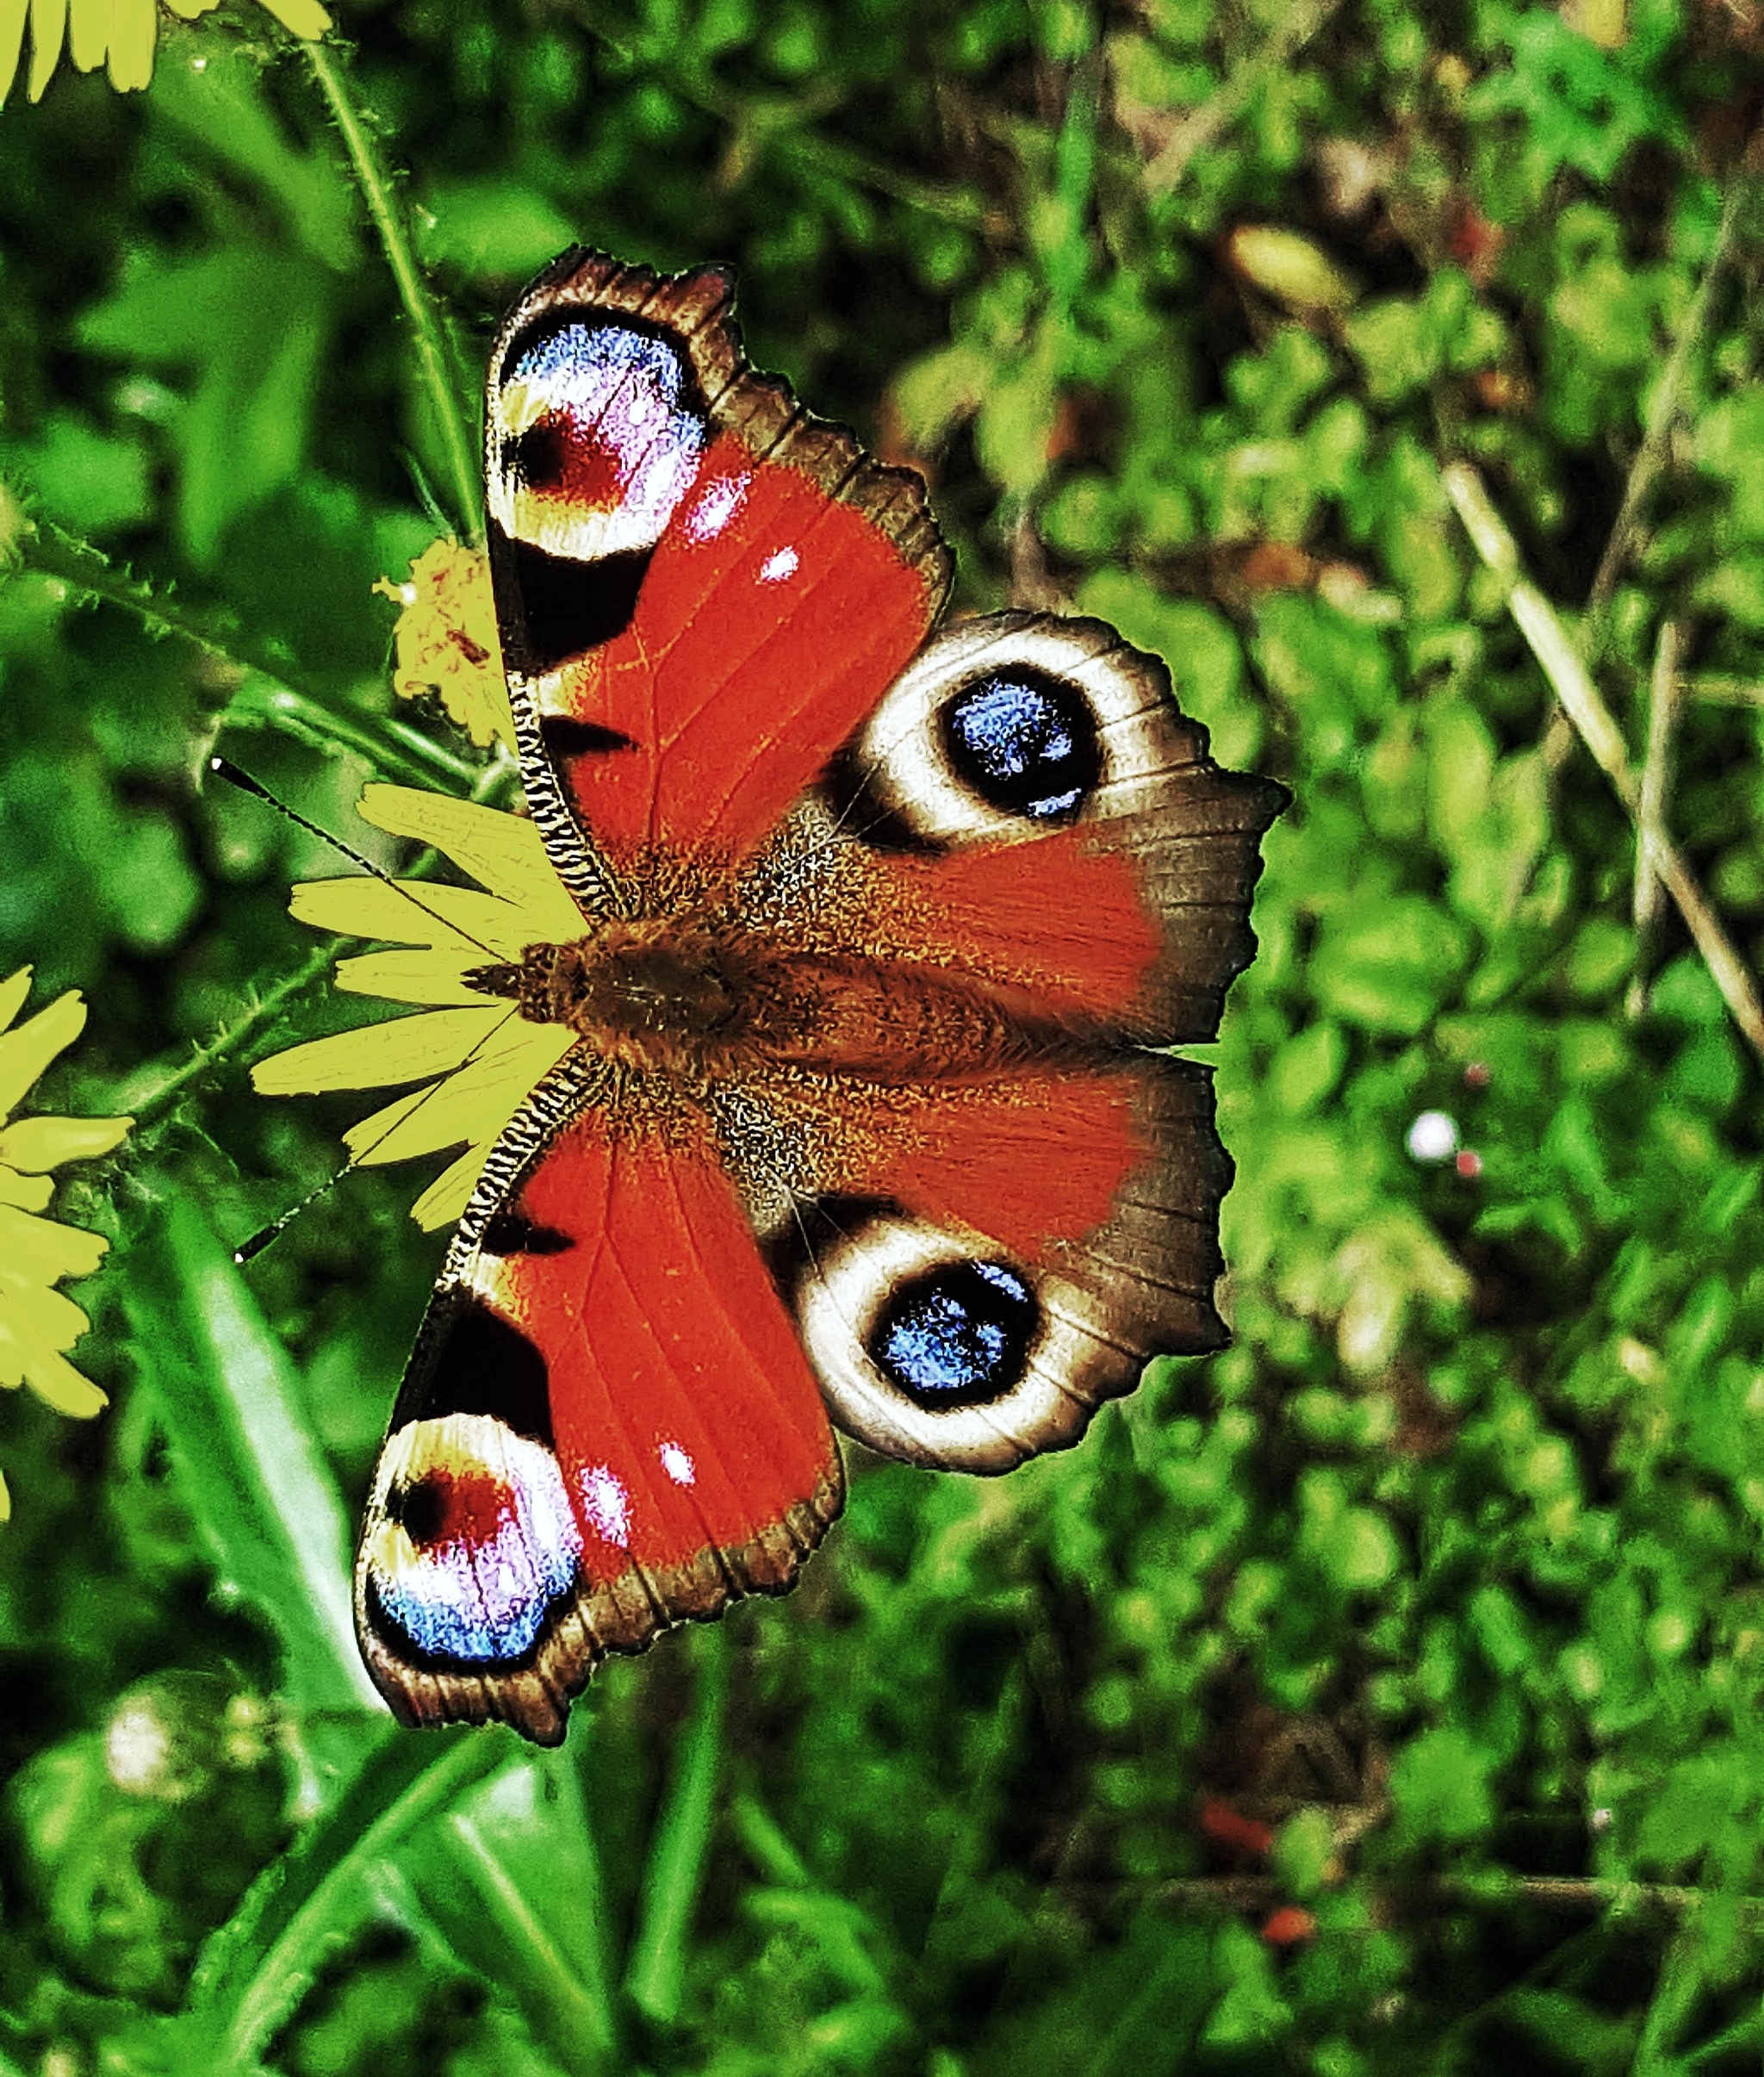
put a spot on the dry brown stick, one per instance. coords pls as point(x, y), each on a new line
point(1656, 783)
point(1572, 682)
point(1718, 691)
point(1253, 1892)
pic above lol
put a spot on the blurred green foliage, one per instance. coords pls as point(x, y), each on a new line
point(1381, 1695)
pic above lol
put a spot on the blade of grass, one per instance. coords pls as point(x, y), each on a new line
point(1572, 683)
point(458, 449)
point(255, 1970)
point(514, 1879)
point(1663, 409)
point(655, 1976)
point(262, 1494)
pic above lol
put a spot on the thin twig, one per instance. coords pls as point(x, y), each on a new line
point(1651, 456)
point(375, 185)
point(1715, 690)
point(1201, 127)
point(768, 123)
point(1252, 1893)
point(1656, 783)
point(1550, 643)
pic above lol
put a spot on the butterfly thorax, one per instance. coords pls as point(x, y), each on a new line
point(699, 1001)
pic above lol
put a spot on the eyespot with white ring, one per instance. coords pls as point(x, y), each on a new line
point(933, 1346)
point(595, 436)
point(1010, 725)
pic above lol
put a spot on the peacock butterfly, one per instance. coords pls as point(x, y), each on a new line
point(882, 925)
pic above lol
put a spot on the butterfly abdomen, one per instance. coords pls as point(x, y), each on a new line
point(699, 1004)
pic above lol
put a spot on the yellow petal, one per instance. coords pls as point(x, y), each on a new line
point(12, 17)
point(364, 1140)
point(35, 1145)
point(472, 1105)
point(29, 1193)
point(414, 912)
point(26, 1052)
point(5, 1499)
point(447, 1196)
point(55, 1381)
point(46, 1316)
point(405, 1049)
point(88, 32)
point(13, 992)
point(135, 29)
point(401, 977)
point(503, 853)
point(188, 11)
point(48, 27)
point(43, 1251)
point(301, 17)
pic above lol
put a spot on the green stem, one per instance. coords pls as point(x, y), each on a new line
point(375, 185)
point(654, 1975)
point(147, 1110)
point(44, 550)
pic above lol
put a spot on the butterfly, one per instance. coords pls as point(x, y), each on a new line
point(861, 1121)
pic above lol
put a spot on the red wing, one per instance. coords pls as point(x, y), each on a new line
point(976, 1268)
point(702, 589)
point(1030, 806)
point(607, 1425)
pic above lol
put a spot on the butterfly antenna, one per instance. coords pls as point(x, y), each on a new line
point(223, 768)
point(264, 1235)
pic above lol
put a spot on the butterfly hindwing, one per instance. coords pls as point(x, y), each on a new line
point(607, 1425)
point(974, 1267)
point(1056, 823)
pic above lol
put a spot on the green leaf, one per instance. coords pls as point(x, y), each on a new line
point(1439, 1787)
point(263, 1499)
point(494, 227)
point(512, 1876)
point(257, 1968)
point(1389, 964)
point(251, 325)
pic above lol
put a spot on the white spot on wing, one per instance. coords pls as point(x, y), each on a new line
point(776, 568)
point(720, 500)
point(607, 1505)
point(678, 1463)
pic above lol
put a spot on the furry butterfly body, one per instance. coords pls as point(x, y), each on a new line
point(859, 1115)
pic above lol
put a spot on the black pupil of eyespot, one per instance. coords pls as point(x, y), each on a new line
point(1025, 743)
point(537, 457)
point(958, 1335)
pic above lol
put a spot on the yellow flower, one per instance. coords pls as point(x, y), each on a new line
point(38, 1323)
point(447, 641)
point(120, 33)
point(472, 1057)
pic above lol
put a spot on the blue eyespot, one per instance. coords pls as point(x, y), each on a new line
point(957, 1336)
point(1025, 742)
point(586, 359)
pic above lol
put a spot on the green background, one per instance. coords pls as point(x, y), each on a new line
point(1381, 1695)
